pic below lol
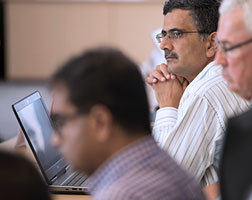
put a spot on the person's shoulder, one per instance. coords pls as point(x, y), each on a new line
point(168, 178)
point(150, 189)
point(242, 118)
point(210, 77)
point(209, 84)
point(154, 177)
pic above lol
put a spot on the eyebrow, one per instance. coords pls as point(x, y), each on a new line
point(171, 30)
point(225, 42)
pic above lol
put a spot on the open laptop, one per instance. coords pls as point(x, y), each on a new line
point(36, 124)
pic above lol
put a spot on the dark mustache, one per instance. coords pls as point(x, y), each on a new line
point(168, 53)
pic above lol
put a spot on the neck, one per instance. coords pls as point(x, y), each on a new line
point(122, 140)
point(191, 78)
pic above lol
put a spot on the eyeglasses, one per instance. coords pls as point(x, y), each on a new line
point(59, 121)
point(225, 46)
point(174, 34)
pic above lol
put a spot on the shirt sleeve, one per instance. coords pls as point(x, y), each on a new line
point(189, 135)
point(165, 120)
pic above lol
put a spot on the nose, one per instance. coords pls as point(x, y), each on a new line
point(220, 58)
point(166, 44)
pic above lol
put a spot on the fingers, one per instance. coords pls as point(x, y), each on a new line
point(150, 80)
point(173, 76)
point(159, 74)
point(154, 77)
point(164, 71)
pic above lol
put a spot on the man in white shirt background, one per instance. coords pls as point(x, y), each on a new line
point(234, 38)
point(193, 97)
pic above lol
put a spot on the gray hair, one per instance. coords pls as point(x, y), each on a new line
point(246, 5)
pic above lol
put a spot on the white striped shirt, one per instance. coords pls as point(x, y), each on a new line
point(193, 133)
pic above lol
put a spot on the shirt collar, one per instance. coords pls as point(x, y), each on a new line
point(203, 73)
point(120, 162)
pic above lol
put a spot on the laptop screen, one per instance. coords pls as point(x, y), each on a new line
point(37, 127)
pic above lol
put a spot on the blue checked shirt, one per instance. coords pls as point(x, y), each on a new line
point(142, 171)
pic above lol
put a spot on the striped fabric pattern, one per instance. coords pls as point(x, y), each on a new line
point(143, 171)
point(193, 133)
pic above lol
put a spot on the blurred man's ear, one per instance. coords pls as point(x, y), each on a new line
point(211, 45)
point(101, 123)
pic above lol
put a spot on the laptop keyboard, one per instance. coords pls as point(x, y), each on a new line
point(76, 179)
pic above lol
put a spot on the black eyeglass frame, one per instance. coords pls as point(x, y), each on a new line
point(161, 35)
point(59, 121)
point(227, 49)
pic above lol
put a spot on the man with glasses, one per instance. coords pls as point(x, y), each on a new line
point(193, 98)
point(235, 46)
point(234, 38)
point(102, 127)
